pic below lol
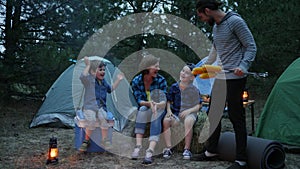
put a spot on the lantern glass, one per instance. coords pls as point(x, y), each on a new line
point(53, 151)
point(245, 96)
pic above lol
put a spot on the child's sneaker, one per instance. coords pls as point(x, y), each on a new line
point(148, 157)
point(187, 154)
point(106, 144)
point(136, 152)
point(167, 153)
point(84, 146)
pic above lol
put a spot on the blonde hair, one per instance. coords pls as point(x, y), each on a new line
point(147, 61)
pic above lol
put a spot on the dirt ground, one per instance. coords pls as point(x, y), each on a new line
point(22, 147)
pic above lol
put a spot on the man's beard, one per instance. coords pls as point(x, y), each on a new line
point(211, 21)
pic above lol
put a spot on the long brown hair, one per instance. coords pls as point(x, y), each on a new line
point(147, 61)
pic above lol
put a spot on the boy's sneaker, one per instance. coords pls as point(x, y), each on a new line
point(84, 146)
point(136, 152)
point(187, 154)
point(106, 144)
point(148, 157)
point(167, 153)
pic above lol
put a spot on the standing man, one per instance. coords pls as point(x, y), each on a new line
point(235, 48)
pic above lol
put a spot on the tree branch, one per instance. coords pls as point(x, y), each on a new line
point(132, 5)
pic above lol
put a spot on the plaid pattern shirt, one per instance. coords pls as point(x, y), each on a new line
point(183, 99)
point(138, 87)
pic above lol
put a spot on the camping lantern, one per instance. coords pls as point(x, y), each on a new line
point(53, 151)
point(245, 96)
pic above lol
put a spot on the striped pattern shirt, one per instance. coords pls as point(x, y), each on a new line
point(233, 45)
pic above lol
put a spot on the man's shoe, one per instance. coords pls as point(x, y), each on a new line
point(148, 157)
point(84, 146)
point(237, 166)
point(203, 157)
point(136, 152)
point(167, 153)
point(187, 154)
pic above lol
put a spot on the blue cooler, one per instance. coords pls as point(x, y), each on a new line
point(95, 138)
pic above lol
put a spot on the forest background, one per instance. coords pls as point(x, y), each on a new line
point(39, 38)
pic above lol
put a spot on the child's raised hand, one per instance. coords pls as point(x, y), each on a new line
point(120, 76)
point(86, 61)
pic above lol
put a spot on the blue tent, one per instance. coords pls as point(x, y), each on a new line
point(65, 96)
point(204, 85)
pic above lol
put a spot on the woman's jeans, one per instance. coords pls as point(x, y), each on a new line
point(144, 116)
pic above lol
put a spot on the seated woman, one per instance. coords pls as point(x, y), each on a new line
point(149, 89)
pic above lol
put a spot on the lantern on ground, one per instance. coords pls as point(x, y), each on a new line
point(245, 95)
point(53, 151)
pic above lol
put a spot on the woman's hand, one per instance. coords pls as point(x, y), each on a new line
point(154, 108)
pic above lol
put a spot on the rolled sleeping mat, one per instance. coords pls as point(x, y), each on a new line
point(262, 153)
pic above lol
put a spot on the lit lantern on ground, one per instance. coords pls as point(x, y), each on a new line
point(245, 96)
point(53, 151)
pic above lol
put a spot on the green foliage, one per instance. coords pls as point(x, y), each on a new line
point(277, 35)
point(40, 36)
point(274, 26)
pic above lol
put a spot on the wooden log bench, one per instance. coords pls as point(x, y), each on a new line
point(177, 136)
